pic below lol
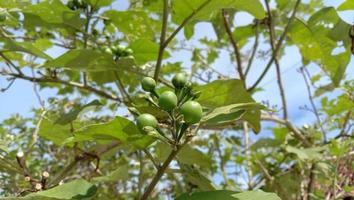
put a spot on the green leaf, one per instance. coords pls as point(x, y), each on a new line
point(54, 132)
point(189, 155)
point(51, 14)
point(256, 195)
point(308, 154)
point(119, 128)
point(346, 5)
point(77, 189)
point(88, 60)
point(181, 9)
point(100, 3)
point(26, 47)
point(315, 45)
point(221, 93)
point(121, 173)
point(195, 176)
point(229, 113)
point(135, 24)
point(229, 195)
point(145, 50)
point(72, 114)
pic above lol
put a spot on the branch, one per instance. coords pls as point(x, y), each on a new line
point(272, 37)
point(297, 133)
point(160, 172)
point(315, 111)
point(277, 48)
point(254, 49)
point(174, 33)
point(225, 16)
point(162, 39)
point(69, 83)
point(10, 63)
point(185, 21)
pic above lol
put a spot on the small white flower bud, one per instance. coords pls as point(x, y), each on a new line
point(45, 174)
point(20, 154)
point(38, 186)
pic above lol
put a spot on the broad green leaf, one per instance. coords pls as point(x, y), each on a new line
point(10, 45)
point(54, 132)
point(121, 173)
point(256, 195)
point(183, 8)
point(265, 143)
point(145, 50)
point(51, 14)
point(221, 93)
point(209, 195)
point(134, 24)
point(73, 114)
point(88, 60)
point(346, 5)
point(318, 48)
point(229, 195)
point(77, 189)
point(229, 113)
point(308, 153)
point(196, 177)
point(100, 3)
point(187, 155)
point(119, 128)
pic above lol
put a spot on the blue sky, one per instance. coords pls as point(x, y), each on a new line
point(21, 97)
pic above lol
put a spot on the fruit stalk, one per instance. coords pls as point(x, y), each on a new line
point(160, 172)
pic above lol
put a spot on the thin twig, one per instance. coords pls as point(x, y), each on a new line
point(121, 88)
point(248, 156)
point(297, 133)
point(314, 108)
point(272, 37)
point(254, 49)
point(226, 16)
point(11, 63)
point(277, 48)
point(69, 83)
point(162, 39)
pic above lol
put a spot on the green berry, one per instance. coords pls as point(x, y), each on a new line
point(179, 80)
point(168, 101)
point(146, 120)
point(148, 84)
point(192, 112)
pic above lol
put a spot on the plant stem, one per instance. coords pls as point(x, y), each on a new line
point(164, 44)
point(225, 16)
point(315, 111)
point(277, 48)
point(272, 37)
point(162, 39)
point(160, 172)
point(254, 49)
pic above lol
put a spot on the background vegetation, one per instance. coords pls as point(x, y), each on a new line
point(83, 143)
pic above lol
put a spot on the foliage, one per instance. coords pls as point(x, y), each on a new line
point(92, 140)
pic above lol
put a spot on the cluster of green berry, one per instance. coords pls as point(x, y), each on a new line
point(77, 4)
point(180, 105)
point(119, 51)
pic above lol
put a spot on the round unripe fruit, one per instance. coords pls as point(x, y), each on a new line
point(192, 112)
point(71, 5)
point(148, 84)
point(179, 80)
point(146, 120)
point(168, 100)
